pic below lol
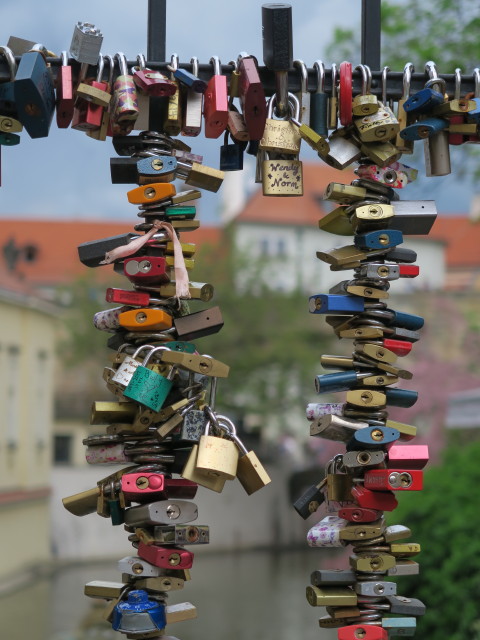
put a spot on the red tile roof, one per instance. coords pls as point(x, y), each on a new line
point(462, 238)
point(57, 241)
point(304, 211)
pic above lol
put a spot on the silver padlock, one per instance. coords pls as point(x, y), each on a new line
point(86, 43)
point(162, 512)
point(135, 566)
point(125, 371)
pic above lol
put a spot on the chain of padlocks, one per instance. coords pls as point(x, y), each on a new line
point(163, 421)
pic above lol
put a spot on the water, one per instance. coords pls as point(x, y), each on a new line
point(239, 596)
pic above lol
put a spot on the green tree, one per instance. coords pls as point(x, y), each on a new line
point(445, 519)
point(445, 31)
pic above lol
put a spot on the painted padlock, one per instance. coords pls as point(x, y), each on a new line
point(125, 371)
point(217, 456)
point(138, 614)
point(144, 487)
point(107, 320)
point(166, 557)
point(148, 387)
point(326, 533)
point(113, 453)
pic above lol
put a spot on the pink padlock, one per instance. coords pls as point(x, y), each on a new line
point(409, 456)
point(166, 557)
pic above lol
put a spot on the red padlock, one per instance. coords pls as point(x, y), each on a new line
point(362, 632)
point(132, 298)
point(408, 270)
point(146, 270)
point(380, 500)
point(252, 97)
point(65, 99)
point(215, 102)
point(152, 82)
point(358, 514)
point(166, 557)
point(399, 347)
point(345, 101)
point(414, 456)
point(94, 97)
point(145, 487)
point(393, 480)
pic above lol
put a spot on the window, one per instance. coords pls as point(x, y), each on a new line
point(12, 395)
point(41, 399)
point(281, 247)
point(62, 449)
point(264, 246)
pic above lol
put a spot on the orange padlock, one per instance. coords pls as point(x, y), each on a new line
point(149, 193)
point(145, 319)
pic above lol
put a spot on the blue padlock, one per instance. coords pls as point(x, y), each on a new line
point(138, 614)
point(342, 381)
point(373, 438)
point(148, 387)
point(34, 94)
point(402, 626)
point(185, 77)
point(401, 397)
point(157, 167)
point(423, 128)
point(405, 320)
point(382, 239)
point(336, 304)
point(425, 99)
point(184, 347)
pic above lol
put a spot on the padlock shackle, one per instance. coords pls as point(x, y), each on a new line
point(150, 354)
point(122, 63)
point(101, 66)
point(300, 64)
point(194, 63)
point(476, 78)
point(292, 100)
point(142, 64)
point(385, 71)
point(111, 69)
point(215, 61)
point(408, 69)
point(10, 58)
point(334, 79)
point(141, 348)
point(458, 84)
point(173, 66)
point(366, 78)
point(320, 69)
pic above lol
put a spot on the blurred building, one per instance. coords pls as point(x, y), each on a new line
point(27, 360)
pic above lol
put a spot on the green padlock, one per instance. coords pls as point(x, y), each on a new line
point(148, 387)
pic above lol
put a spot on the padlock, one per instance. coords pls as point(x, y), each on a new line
point(373, 438)
point(372, 562)
point(332, 577)
point(436, 147)
point(125, 371)
point(399, 626)
point(123, 106)
point(384, 238)
point(304, 95)
point(64, 93)
point(358, 514)
point(236, 124)
point(378, 500)
point(145, 320)
point(192, 107)
point(198, 324)
point(97, 92)
point(252, 97)
point(326, 533)
point(146, 270)
point(406, 606)
point(310, 500)
point(91, 101)
point(393, 480)
point(179, 534)
point(331, 596)
point(360, 459)
point(199, 175)
point(317, 409)
point(319, 102)
point(113, 453)
point(135, 566)
point(379, 126)
point(86, 43)
point(408, 456)
point(424, 128)
point(344, 150)
point(341, 381)
point(345, 94)
point(147, 387)
point(215, 102)
point(185, 77)
point(282, 177)
point(366, 632)
point(107, 320)
point(217, 456)
point(105, 128)
point(281, 136)
point(139, 615)
point(365, 103)
point(162, 512)
point(34, 94)
point(250, 471)
point(192, 426)
point(166, 557)
point(205, 479)
point(144, 486)
point(231, 155)
point(131, 298)
point(336, 304)
point(152, 83)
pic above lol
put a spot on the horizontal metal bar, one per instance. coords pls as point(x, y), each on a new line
point(394, 78)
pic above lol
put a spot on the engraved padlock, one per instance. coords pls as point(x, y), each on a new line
point(281, 136)
point(282, 177)
point(217, 456)
point(148, 387)
point(127, 368)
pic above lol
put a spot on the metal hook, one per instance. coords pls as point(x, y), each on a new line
point(194, 63)
point(364, 70)
point(299, 64)
point(476, 77)
point(385, 71)
point(173, 66)
point(215, 61)
point(458, 84)
point(320, 69)
point(408, 69)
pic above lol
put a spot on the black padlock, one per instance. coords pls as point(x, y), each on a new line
point(93, 252)
point(231, 155)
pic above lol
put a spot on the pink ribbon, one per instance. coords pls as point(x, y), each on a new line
point(181, 275)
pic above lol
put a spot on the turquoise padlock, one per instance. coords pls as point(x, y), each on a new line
point(148, 387)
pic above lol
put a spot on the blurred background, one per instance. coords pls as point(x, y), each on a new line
point(259, 254)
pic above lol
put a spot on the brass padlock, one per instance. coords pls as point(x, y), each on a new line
point(282, 177)
point(365, 103)
point(208, 480)
point(382, 125)
point(281, 136)
point(217, 456)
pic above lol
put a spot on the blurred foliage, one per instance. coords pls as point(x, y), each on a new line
point(445, 31)
point(444, 519)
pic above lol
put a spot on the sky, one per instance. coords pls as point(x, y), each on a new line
point(67, 175)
